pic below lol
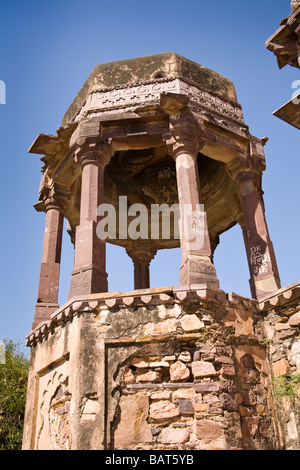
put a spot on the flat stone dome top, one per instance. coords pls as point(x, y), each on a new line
point(148, 68)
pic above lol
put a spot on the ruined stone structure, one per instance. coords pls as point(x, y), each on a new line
point(285, 44)
point(177, 367)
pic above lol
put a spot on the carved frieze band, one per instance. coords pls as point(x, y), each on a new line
point(100, 100)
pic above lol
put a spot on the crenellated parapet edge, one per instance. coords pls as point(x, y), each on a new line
point(116, 301)
point(285, 296)
point(198, 293)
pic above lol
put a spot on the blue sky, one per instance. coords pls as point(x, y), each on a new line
point(48, 49)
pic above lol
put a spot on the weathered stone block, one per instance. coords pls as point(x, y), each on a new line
point(179, 371)
point(164, 395)
point(172, 435)
point(249, 398)
point(185, 356)
point(203, 369)
point(281, 367)
point(90, 409)
point(191, 323)
point(151, 376)
point(228, 401)
point(295, 319)
point(208, 430)
point(186, 406)
point(133, 427)
point(207, 387)
point(139, 363)
point(184, 393)
point(227, 369)
point(163, 410)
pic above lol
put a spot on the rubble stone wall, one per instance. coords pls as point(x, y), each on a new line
point(164, 370)
point(282, 332)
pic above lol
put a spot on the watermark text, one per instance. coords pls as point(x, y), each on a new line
point(155, 222)
point(2, 92)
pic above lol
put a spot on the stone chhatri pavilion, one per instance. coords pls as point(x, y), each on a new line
point(183, 367)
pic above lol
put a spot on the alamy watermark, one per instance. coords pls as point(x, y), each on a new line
point(157, 222)
point(2, 92)
point(2, 352)
point(296, 94)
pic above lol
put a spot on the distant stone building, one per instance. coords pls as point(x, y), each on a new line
point(177, 367)
point(285, 44)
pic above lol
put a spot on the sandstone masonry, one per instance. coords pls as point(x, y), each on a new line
point(118, 383)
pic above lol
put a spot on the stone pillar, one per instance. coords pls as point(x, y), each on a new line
point(50, 265)
point(196, 254)
point(89, 273)
point(141, 254)
point(264, 276)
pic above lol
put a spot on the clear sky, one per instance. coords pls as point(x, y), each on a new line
point(48, 49)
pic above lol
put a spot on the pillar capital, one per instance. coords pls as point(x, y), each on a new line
point(92, 152)
point(184, 135)
point(243, 170)
point(54, 202)
point(141, 252)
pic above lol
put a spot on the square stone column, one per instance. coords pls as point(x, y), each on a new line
point(264, 276)
point(50, 265)
point(183, 144)
point(89, 273)
point(141, 253)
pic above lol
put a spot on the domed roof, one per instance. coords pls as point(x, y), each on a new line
point(150, 68)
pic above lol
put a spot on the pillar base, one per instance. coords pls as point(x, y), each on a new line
point(198, 270)
point(42, 312)
point(264, 287)
point(88, 280)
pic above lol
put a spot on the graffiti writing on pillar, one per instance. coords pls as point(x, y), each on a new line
point(259, 260)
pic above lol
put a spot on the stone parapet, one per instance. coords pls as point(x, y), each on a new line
point(139, 298)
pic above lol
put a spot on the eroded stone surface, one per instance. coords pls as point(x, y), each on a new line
point(133, 427)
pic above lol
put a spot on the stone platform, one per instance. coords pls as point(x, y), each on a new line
point(171, 368)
